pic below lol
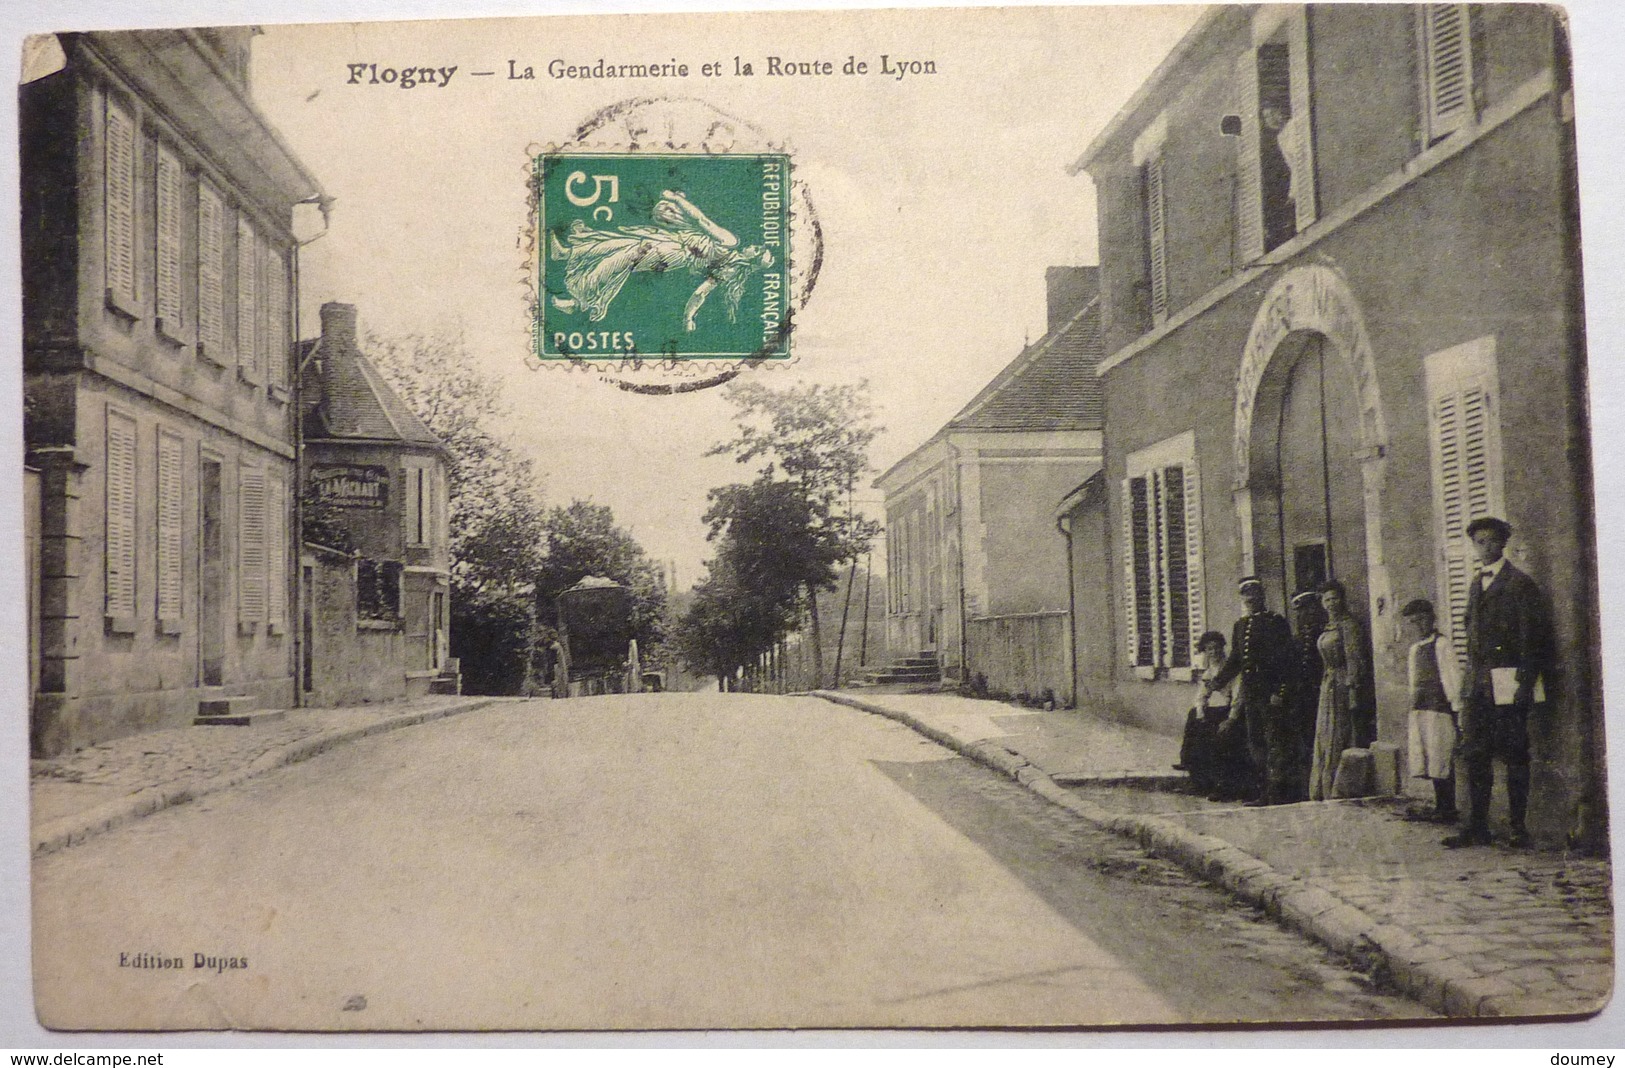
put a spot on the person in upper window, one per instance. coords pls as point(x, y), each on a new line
point(1277, 148)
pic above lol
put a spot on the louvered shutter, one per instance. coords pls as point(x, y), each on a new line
point(170, 179)
point(211, 272)
point(1176, 557)
point(1249, 190)
point(170, 501)
point(120, 204)
point(276, 317)
point(276, 579)
point(1447, 66)
point(248, 319)
point(1303, 115)
point(1156, 223)
point(251, 544)
point(1466, 470)
point(1138, 550)
point(1196, 597)
point(121, 501)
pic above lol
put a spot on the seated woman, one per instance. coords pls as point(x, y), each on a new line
point(1201, 753)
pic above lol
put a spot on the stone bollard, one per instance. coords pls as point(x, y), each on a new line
point(1385, 757)
point(1356, 774)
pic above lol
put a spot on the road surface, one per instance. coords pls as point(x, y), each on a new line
point(653, 861)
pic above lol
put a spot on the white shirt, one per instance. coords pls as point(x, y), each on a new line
point(1449, 670)
point(1487, 572)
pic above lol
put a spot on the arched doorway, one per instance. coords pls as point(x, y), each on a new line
point(1310, 443)
point(1308, 496)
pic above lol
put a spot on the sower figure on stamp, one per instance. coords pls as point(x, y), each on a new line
point(1508, 648)
point(1261, 657)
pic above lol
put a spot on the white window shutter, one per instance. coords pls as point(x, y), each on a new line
point(1303, 112)
point(1156, 218)
point(1249, 188)
point(247, 301)
point(211, 271)
point(276, 579)
point(170, 179)
point(1447, 64)
point(171, 496)
point(119, 192)
point(121, 515)
point(1465, 438)
point(251, 544)
point(276, 317)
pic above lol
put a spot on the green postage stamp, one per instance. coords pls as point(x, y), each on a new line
point(662, 256)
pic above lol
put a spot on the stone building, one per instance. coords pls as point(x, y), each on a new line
point(157, 245)
point(376, 561)
point(976, 569)
point(1341, 306)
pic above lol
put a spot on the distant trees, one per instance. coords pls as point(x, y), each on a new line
point(781, 538)
point(508, 550)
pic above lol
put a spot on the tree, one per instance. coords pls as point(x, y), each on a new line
point(582, 539)
point(795, 524)
point(497, 530)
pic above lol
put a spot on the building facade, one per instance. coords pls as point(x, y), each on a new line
point(157, 242)
point(976, 568)
point(376, 559)
point(1342, 315)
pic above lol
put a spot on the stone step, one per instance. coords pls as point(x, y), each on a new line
point(224, 706)
point(446, 684)
point(905, 675)
point(241, 719)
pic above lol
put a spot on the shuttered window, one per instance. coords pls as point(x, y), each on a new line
point(419, 504)
point(167, 238)
point(276, 552)
point(1163, 557)
point(121, 505)
point(1276, 195)
point(276, 317)
point(248, 317)
point(211, 273)
point(1465, 429)
point(1156, 237)
point(170, 503)
point(1447, 68)
point(251, 547)
point(120, 188)
point(1249, 199)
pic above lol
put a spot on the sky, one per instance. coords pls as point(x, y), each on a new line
point(941, 199)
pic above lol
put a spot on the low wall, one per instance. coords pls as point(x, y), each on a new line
point(1022, 654)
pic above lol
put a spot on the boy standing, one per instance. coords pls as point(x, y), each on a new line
point(1435, 683)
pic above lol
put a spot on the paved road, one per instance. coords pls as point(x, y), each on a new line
point(674, 860)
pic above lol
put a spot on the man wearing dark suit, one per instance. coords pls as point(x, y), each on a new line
point(1261, 651)
point(1508, 646)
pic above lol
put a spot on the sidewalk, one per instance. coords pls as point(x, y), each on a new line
point(80, 795)
point(1472, 932)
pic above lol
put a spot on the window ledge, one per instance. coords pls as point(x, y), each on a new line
point(117, 305)
point(208, 354)
point(247, 629)
point(121, 625)
point(378, 624)
point(174, 333)
point(170, 627)
point(278, 393)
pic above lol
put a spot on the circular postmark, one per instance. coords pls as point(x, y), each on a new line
point(670, 247)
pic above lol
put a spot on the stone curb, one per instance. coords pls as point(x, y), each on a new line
point(1418, 969)
point(80, 826)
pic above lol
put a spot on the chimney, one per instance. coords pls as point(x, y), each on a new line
point(1069, 289)
point(338, 369)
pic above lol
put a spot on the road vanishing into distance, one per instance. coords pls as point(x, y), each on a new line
point(652, 861)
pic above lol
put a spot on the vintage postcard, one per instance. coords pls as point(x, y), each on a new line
point(1026, 517)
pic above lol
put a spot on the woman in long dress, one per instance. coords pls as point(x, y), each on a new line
point(1342, 688)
